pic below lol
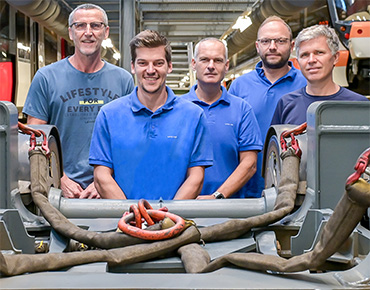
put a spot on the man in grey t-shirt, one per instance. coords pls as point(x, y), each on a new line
point(70, 92)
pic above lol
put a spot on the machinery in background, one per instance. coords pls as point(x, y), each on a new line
point(336, 134)
point(350, 19)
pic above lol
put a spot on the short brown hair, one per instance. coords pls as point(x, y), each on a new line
point(150, 39)
point(278, 19)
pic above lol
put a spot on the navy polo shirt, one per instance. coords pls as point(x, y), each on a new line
point(292, 108)
point(150, 152)
point(233, 128)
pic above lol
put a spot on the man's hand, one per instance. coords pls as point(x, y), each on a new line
point(90, 192)
point(211, 196)
point(70, 188)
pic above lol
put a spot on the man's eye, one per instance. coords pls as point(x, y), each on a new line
point(80, 25)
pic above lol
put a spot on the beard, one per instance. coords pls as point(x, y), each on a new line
point(276, 64)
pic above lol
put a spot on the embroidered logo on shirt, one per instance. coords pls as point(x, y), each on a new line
point(172, 137)
point(229, 124)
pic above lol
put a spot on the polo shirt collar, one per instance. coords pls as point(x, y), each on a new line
point(136, 105)
point(223, 99)
point(291, 73)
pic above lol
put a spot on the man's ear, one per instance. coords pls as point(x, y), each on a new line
point(257, 48)
point(193, 63)
point(70, 33)
point(227, 65)
point(132, 68)
point(336, 57)
point(169, 67)
point(106, 32)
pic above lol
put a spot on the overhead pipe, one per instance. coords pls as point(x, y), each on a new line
point(48, 13)
point(245, 40)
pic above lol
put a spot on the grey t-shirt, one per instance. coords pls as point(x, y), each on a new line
point(70, 99)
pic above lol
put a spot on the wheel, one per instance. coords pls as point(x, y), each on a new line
point(272, 163)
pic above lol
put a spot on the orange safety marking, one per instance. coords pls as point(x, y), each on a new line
point(360, 29)
point(295, 63)
point(343, 58)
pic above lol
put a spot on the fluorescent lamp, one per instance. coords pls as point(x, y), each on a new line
point(242, 23)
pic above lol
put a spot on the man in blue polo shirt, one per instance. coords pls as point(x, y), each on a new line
point(150, 144)
point(273, 77)
point(234, 130)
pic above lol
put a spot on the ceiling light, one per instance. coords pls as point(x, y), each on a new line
point(242, 23)
point(107, 43)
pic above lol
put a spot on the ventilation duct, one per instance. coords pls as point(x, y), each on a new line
point(48, 13)
point(245, 40)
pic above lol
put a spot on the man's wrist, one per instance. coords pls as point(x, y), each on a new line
point(218, 195)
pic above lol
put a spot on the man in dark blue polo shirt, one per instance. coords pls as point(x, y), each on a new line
point(317, 53)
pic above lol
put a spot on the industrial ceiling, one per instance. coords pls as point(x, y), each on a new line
point(183, 22)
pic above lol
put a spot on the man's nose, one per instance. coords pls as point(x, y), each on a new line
point(211, 65)
point(150, 68)
point(272, 44)
point(312, 57)
point(88, 29)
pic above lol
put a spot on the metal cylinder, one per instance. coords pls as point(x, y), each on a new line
point(109, 208)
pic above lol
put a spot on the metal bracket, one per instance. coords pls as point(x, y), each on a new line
point(13, 235)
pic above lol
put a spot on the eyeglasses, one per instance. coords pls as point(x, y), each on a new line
point(278, 41)
point(82, 26)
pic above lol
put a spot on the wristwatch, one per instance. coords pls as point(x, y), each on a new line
point(218, 195)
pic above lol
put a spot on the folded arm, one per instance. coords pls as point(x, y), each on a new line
point(105, 183)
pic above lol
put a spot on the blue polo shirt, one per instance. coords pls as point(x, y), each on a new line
point(263, 97)
point(233, 128)
point(150, 152)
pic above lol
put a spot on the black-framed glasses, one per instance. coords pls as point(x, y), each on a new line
point(82, 26)
point(278, 41)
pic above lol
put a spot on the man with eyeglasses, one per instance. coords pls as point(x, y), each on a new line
point(317, 50)
point(273, 77)
point(70, 93)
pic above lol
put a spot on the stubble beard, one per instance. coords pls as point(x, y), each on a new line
point(275, 65)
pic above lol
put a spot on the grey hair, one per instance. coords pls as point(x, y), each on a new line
point(316, 31)
point(196, 49)
point(277, 19)
point(88, 6)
